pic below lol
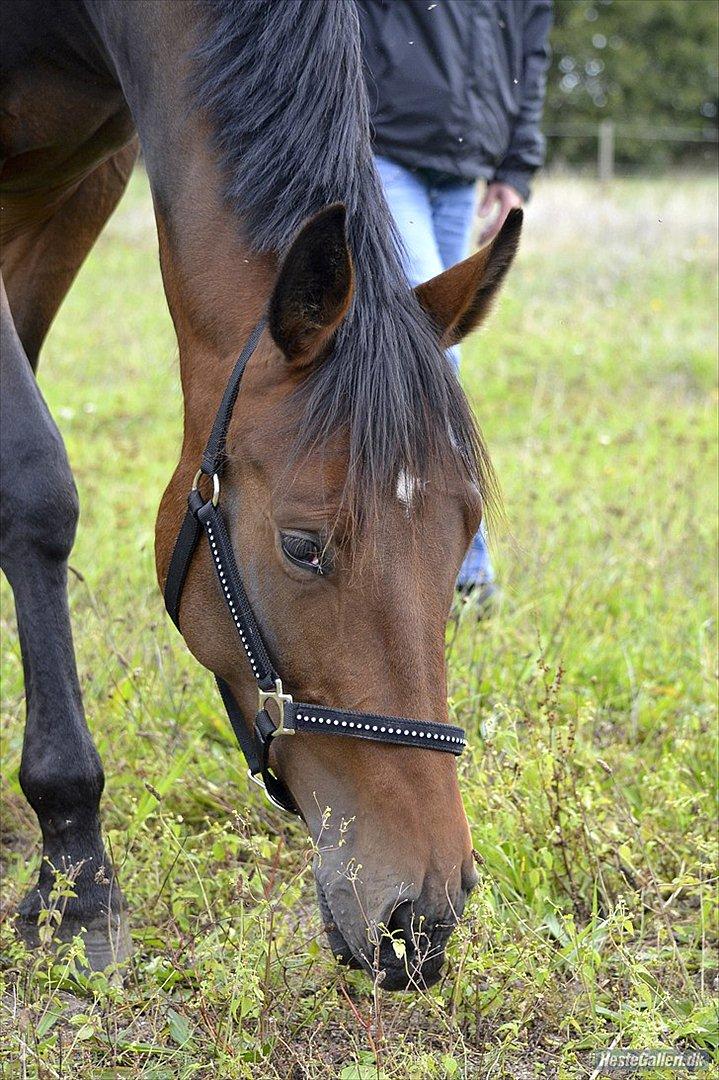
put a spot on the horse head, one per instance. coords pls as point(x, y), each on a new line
point(351, 584)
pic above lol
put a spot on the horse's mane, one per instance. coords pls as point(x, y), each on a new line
point(282, 84)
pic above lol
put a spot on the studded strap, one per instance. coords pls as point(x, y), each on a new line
point(233, 591)
point(386, 729)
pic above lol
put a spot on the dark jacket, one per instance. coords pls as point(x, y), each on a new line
point(457, 86)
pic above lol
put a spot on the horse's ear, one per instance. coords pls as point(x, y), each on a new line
point(458, 300)
point(314, 287)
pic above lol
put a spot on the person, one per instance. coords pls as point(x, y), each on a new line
point(456, 90)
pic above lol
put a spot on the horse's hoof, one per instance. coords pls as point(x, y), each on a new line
point(106, 937)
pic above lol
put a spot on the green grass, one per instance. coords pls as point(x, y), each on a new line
point(589, 699)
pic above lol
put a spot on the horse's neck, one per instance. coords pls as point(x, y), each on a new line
point(216, 286)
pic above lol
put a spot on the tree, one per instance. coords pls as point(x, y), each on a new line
point(642, 63)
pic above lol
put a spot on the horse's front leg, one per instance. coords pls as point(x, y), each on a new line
point(61, 773)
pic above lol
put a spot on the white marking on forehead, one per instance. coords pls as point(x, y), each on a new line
point(406, 487)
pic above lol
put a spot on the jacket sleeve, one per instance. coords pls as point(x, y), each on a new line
point(526, 149)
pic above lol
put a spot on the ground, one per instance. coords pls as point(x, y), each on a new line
point(589, 698)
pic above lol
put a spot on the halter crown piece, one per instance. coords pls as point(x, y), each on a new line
point(277, 713)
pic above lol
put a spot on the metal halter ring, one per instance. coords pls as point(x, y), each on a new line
point(215, 485)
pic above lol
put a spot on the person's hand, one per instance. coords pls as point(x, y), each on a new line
point(499, 197)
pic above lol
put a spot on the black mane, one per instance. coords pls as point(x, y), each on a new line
point(282, 84)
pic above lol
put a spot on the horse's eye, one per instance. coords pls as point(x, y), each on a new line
point(305, 550)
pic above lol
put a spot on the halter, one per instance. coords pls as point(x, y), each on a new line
point(286, 716)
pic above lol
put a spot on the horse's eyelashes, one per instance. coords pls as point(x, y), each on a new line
point(301, 547)
point(305, 550)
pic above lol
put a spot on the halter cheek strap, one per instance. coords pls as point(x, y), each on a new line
point(277, 713)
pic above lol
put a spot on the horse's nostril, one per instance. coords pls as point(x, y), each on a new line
point(413, 939)
point(398, 935)
point(406, 926)
point(411, 948)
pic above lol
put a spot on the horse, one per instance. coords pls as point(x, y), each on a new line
point(353, 473)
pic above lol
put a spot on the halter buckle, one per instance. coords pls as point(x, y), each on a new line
point(280, 699)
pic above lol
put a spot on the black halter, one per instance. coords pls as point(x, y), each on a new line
point(289, 716)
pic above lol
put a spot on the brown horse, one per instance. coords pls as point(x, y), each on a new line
point(354, 477)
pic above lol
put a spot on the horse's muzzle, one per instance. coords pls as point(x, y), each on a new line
point(402, 950)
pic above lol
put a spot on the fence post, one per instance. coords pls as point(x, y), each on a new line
point(605, 150)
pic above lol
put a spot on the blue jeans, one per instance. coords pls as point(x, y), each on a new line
point(434, 218)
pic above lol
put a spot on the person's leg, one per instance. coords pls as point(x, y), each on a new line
point(434, 229)
point(452, 215)
point(408, 197)
point(453, 207)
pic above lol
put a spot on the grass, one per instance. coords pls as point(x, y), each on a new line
point(589, 699)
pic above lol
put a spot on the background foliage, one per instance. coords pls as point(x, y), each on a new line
point(647, 64)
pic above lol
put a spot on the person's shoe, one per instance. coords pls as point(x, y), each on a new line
point(482, 595)
point(476, 576)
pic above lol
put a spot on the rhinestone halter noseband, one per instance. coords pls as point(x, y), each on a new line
point(289, 717)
